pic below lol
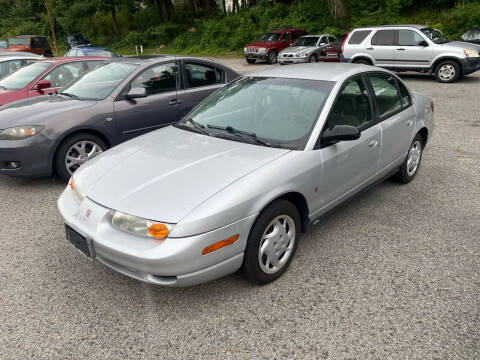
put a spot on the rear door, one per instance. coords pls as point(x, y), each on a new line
point(383, 47)
point(348, 165)
point(409, 53)
point(161, 107)
point(396, 117)
point(200, 80)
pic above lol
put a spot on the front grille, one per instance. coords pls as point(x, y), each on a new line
point(252, 50)
point(287, 55)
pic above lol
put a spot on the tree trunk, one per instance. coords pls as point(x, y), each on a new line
point(235, 6)
point(337, 9)
point(224, 7)
point(207, 5)
point(170, 9)
point(114, 21)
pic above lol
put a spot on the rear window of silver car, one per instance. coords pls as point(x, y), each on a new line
point(278, 110)
point(358, 36)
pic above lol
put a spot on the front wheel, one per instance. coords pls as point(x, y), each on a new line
point(272, 243)
point(447, 72)
point(75, 151)
point(410, 166)
point(272, 57)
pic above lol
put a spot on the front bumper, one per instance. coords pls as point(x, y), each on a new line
point(175, 262)
point(292, 60)
point(256, 56)
point(32, 154)
point(470, 65)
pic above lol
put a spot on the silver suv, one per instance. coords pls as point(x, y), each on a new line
point(411, 47)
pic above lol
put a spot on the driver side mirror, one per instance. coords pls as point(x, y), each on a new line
point(423, 43)
point(340, 133)
point(136, 92)
point(322, 44)
point(42, 84)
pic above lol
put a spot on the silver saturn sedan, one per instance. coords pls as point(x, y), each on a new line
point(234, 184)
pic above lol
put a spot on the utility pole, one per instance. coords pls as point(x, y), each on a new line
point(52, 28)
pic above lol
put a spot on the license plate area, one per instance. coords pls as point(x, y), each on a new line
point(80, 242)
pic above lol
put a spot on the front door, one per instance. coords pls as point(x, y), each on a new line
point(160, 108)
point(349, 165)
point(409, 53)
point(383, 48)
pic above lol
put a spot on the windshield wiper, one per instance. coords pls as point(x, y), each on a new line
point(234, 131)
point(75, 97)
point(199, 127)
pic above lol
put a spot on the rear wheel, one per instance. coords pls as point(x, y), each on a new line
point(272, 57)
point(410, 166)
point(447, 71)
point(75, 151)
point(272, 243)
point(362, 61)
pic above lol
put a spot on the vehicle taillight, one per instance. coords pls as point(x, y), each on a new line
point(432, 107)
point(344, 41)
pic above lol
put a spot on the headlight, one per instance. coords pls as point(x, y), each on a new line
point(76, 189)
point(140, 227)
point(245, 49)
point(20, 132)
point(262, 50)
point(470, 52)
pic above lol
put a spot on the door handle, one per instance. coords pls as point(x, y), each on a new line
point(409, 123)
point(370, 48)
point(373, 143)
point(401, 49)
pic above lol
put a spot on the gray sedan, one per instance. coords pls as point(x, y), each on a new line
point(252, 167)
point(114, 102)
point(308, 48)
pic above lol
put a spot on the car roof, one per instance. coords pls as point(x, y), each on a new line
point(25, 36)
point(145, 59)
point(321, 71)
point(63, 59)
point(416, 26)
point(19, 54)
point(8, 58)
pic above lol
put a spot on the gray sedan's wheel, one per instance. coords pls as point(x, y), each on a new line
point(75, 151)
point(272, 243)
point(447, 71)
point(410, 166)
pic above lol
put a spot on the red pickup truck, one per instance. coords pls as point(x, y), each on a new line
point(270, 44)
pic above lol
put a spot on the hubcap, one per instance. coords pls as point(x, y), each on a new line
point(276, 244)
point(79, 153)
point(446, 72)
point(413, 159)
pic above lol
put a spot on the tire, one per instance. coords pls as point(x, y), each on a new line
point(312, 58)
point(72, 146)
point(257, 266)
point(409, 170)
point(447, 72)
point(272, 57)
point(250, 61)
point(361, 61)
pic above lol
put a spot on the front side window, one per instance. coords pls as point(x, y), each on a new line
point(384, 38)
point(202, 75)
point(279, 111)
point(358, 36)
point(387, 94)
point(24, 76)
point(352, 107)
point(158, 79)
point(270, 37)
point(409, 38)
point(100, 82)
point(64, 74)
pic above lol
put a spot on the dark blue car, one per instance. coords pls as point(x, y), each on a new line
point(92, 51)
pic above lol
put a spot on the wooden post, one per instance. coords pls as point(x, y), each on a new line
point(52, 28)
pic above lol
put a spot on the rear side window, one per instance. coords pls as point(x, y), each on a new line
point(387, 94)
point(405, 96)
point(384, 38)
point(202, 75)
point(358, 36)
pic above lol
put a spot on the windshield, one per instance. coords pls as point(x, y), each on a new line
point(21, 41)
point(306, 41)
point(100, 82)
point(281, 112)
point(21, 78)
point(100, 53)
point(435, 35)
point(270, 37)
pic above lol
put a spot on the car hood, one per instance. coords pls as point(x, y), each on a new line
point(462, 45)
point(8, 96)
point(37, 110)
point(297, 49)
point(166, 174)
point(261, 44)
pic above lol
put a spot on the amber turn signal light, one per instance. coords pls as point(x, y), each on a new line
point(72, 184)
point(159, 231)
point(220, 244)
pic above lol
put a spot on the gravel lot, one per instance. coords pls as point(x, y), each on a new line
point(393, 274)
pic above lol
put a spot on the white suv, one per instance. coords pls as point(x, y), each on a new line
point(411, 47)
